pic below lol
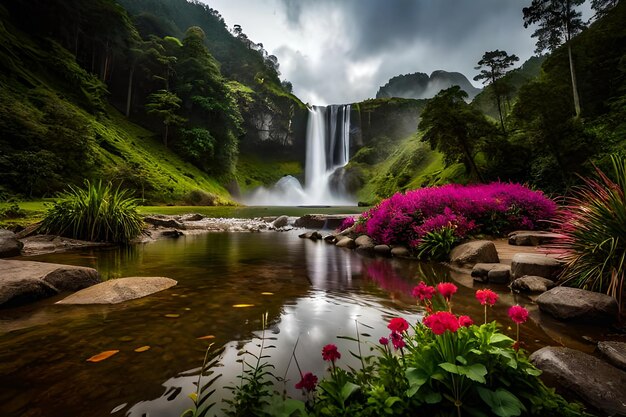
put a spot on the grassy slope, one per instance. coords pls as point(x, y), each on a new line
point(254, 171)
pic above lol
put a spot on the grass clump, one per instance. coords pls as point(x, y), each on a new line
point(98, 213)
point(593, 225)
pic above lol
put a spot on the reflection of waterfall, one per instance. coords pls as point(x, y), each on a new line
point(327, 149)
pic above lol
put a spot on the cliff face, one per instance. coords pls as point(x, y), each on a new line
point(421, 86)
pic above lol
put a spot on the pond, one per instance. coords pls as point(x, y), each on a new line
point(312, 292)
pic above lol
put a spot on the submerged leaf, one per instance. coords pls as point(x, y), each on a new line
point(142, 349)
point(267, 293)
point(172, 316)
point(242, 305)
point(209, 336)
point(102, 356)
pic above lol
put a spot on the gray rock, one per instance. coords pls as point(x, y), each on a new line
point(346, 242)
point(594, 381)
point(172, 233)
point(477, 251)
point(364, 242)
point(310, 235)
point(614, 352)
point(4, 233)
point(164, 221)
point(534, 264)
point(400, 252)
point(491, 272)
point(116, 291)
point(349, 232)
point(330, 239)
point(532, 237)
point(10, 246)
point(192, 217)
point(383, 250)
point(575, 304)
point(531, 283)
point(321, 221)
point(281, 221)
point(26, 281)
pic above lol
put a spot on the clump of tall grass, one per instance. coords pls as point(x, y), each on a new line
point(593, 225)
point(97, 212)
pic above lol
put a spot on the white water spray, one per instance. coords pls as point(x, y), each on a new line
point(327, 149)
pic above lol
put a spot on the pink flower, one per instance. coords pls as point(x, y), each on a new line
point(330, 353)
point(383, 341)
point(308, 382)
point(465, 321)
point(486, 297)
point(518, 314)
point(398, 324)
point(441, 321)
point(423, 291)
point(446, 289)
point(397, 341)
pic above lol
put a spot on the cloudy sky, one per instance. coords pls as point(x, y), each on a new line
point(341, 51)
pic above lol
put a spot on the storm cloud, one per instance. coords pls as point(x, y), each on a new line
point(342, 51)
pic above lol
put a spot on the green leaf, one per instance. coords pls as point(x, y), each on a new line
point(475, 372)
point(501, 402)
point(347, 390)
point(278, 407)
point(461, 360)
point(433, 398)
point(498, 338)
point(450, 367)
point(416, 378)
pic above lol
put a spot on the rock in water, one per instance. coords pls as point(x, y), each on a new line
point(116, 291)
point(494, 273)
point(26, 281)
point(532, 238)
point(477, 251)
point(614, 352)
point(533, 264)
point(281, 221)
point(400, 252)
point(531, 283)
point(9, 245)
point(575, 304)
point(596, 382)
point(346, 242)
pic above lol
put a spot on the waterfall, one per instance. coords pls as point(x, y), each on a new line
point(327, 149)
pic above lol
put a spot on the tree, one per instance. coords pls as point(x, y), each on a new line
point(493, 66)
point(164, 104)
point(455, 128)
point(602, 7)
point(558, 22)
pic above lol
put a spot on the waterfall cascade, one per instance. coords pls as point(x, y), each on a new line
point(327, 149)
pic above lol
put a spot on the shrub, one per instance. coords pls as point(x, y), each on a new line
point(96, 213)
point(495, 208)
point(200, 198)
point(593, 226)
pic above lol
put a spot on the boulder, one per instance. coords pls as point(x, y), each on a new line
point(400, 252)
point(26, 281)
point(164, 221)
point(346, 242)
point(330, 239)
point(531, 283)
point(534, 264)
point(364, 242)
point(614, 352)
point(383, 250)
point(116, 291)
point(281, 221)
point(172, 233)
point(321, 221)
point(191, 217)
point(9, 245)
point(532, 237)
point(477, 251)
point(310, 235)
point(491, 272)
point(575, 304)
point(597, 383)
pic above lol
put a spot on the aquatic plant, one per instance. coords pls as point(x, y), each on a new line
point(495, 208)
point(97, 212)
point(593, 229)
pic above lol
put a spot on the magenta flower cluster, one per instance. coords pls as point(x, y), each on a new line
point(495, 208)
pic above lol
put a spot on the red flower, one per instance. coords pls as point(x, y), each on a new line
point(308, 382)
point(383, 341)
point(398, 324)
point(446, 289)
point(330, 353)
point(486, 297)
point(518, 314)
point(465, 321)
point(441, 321)
point(423, 291)
point(397, 340)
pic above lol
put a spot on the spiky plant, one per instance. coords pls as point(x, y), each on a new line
point(593, 225)
point(97, 212)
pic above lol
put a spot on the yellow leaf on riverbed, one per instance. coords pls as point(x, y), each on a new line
point(267, 293)
point(210, 336)
point(243, 305)
point(102, 356)
point(142, 349)
point(172, 316)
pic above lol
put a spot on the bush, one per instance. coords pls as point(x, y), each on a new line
point(495, 208)
point(201, 198)
point(95, 213)
point(593, 226)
